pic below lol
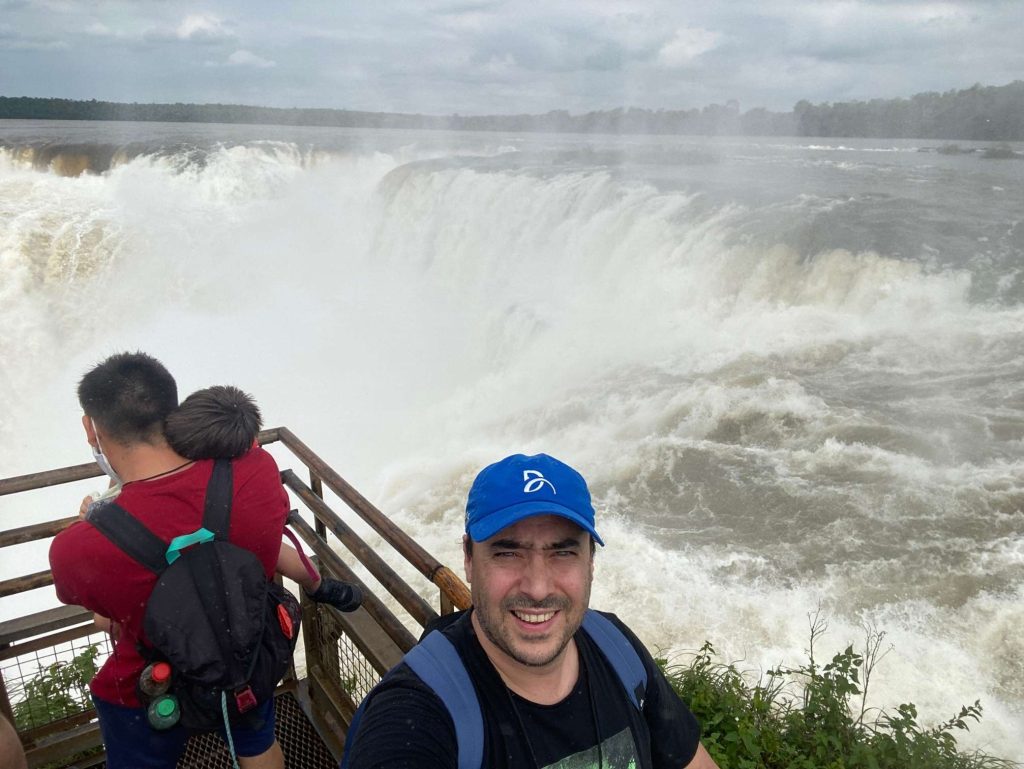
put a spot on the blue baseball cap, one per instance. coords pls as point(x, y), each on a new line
point(520, 487)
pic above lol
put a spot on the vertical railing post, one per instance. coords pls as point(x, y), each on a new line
point(447, 607)
point(317, 486)
point(314, 644)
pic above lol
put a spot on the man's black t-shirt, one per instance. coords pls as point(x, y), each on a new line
point(406, 725)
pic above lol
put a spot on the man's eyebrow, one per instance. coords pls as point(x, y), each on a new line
point(513, 544)
point(564, 544)
point(507, 544)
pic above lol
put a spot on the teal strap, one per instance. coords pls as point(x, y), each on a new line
point(197, 537)
point(227, 724)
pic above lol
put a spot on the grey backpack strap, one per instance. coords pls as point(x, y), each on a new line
point(439, 666)
point(436, 662)
point(620, 654)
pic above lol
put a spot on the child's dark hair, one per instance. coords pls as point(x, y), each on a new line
point(219, 422)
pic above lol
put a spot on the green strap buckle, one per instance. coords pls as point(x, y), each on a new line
point(185, 541)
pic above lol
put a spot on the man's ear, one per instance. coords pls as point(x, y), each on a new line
point(467, 556)
point(90, 430)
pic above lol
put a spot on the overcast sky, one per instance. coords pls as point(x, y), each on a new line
point(442, 57)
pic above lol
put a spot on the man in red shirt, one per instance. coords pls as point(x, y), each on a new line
point(126, 399)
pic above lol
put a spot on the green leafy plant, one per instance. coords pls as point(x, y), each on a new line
point(815, 716)
point(60, 689)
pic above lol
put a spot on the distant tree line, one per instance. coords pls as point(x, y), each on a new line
point(980, 113)
point(992, 113)
point(30, 108)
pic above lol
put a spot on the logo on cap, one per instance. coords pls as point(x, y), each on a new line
point(535, 481)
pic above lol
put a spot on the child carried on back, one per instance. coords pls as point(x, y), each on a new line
point(222, 422)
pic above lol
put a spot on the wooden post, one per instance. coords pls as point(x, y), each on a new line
point(317, 486)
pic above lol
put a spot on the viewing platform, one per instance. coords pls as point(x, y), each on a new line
point(345, 654)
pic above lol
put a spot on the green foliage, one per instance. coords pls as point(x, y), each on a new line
point(59, 690)
point(815, 717)
point(349, 683)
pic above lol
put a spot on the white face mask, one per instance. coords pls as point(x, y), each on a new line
point(101, 459)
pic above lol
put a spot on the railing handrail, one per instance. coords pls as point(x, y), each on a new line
point(35, 531)
point(453, 590)
point(394, 536)
point(374, 634)
point(366, 555)
point(37, 623)
point(405, 545)
point(49, 478)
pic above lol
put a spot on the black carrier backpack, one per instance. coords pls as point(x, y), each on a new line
point(227, 631)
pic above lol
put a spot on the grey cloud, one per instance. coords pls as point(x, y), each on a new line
point(456, 8)
point(558, 49)
point(608, 58)
point(198, 35)
point(12, 39)
point(34, 45)
point(473, 56)
point(244, 58)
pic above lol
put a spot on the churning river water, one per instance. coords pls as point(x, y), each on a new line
point(792, 370)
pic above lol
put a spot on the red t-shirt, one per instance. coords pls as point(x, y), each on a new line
point(90, 571)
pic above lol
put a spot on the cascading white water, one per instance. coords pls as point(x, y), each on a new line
point(772, 416)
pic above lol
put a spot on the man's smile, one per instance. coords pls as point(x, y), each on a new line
point(533, 618)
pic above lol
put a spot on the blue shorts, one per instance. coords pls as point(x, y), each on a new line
point(131, 743)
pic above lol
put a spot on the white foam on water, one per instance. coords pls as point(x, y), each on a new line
point(413, 321)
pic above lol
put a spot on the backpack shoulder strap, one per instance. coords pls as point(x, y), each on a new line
point(435, 660)
point(220, 489)
point(130, 535)
point(438, 665)
point(620, 654)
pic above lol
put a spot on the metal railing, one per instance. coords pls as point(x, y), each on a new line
point(345, 654)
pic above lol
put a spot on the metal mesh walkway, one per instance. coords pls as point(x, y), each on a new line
point(302, 746)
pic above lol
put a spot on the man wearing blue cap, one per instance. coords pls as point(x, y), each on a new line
point(530, 676)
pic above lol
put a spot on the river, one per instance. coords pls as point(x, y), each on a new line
point(792, 370)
